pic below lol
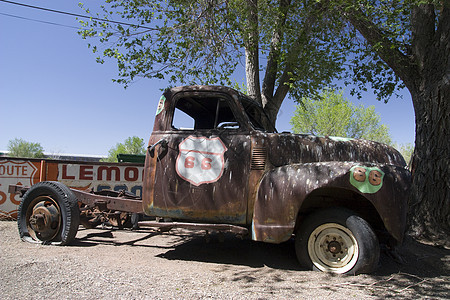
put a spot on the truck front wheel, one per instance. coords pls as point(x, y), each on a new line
point(48, 214)
point(337, 241)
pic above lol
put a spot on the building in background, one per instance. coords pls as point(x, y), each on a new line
point(78, 172)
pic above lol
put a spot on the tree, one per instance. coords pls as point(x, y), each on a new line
point(412, 38)
point(21, 148)
point(406, 150)
point(132, 145)
point(333, 115)
point(204, 42)
point(300, 47)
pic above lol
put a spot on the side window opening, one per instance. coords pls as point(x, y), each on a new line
point(224, 116)
point(182, 121)
point(203, 113)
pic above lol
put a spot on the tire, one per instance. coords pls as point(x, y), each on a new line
point(337, 241)
point(48, 214)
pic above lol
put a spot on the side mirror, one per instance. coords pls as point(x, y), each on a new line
point(151, 149)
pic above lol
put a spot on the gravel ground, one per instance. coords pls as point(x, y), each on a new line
point(144, 264)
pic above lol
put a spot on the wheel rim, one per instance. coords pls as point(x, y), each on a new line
point(43, 218)
point(333, 248)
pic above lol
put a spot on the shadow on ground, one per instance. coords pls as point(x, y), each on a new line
point(414, 258)
point(415, 270)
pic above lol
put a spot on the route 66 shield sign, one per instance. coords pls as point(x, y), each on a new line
point(201, 159)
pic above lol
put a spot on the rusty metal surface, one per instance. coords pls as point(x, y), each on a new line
point(220, 201)
point(287, 148)
point(283, 190)
point(108, 202)
point(17, 189)
point(267, 178)
point(103, 200)
point(301, 164)
point(166, 226)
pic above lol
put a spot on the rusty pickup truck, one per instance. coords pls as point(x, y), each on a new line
point(215, 163)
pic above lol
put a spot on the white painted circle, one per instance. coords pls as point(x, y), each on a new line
point(333, 248)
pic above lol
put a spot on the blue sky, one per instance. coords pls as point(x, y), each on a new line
point(53, 92)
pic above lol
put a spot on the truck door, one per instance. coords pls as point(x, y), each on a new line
point(202, 174)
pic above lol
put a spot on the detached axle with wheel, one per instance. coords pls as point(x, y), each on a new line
point(49, 214)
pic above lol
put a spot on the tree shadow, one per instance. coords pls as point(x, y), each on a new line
point(417, 270)
point(417, 259)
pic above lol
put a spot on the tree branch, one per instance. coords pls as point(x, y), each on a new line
point(387, 50)
point(286, 78)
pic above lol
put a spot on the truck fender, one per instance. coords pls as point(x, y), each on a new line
point(283, 190)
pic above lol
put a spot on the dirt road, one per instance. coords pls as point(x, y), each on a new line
point(105, 263)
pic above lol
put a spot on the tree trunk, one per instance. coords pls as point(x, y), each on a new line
point(429, 214)
point(426, 73)
point(252, 51)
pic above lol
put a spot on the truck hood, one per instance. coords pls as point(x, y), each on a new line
point(288, 148)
